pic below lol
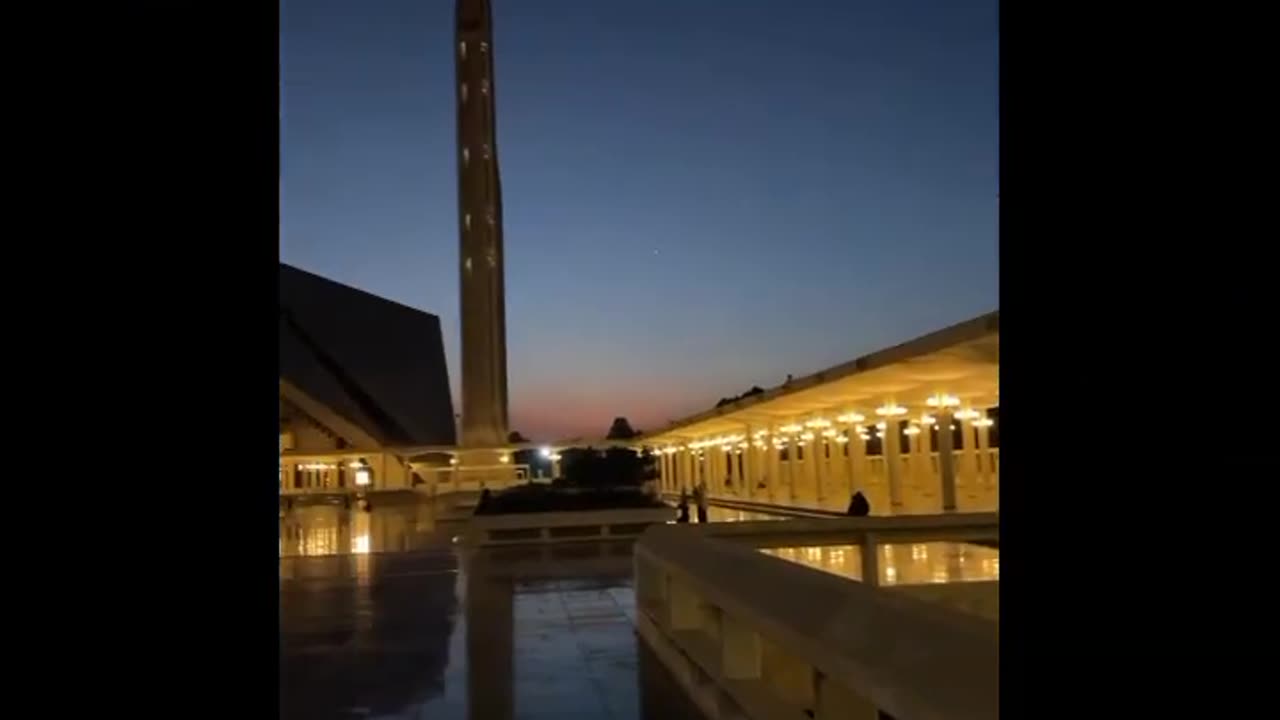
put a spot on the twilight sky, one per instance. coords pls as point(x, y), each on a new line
point(699, 195)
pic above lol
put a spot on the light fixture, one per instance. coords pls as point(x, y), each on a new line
point(504, 459)
point(806, 436)
point(792, 428)
point(881, 426)
point(891, 410)
point(362, 476)
point(545, 452)
point(453, 461)
point(983, 422)
point(967, 414)
point(841, 439)
point(829, 432)
point(928, 420)
point(913, 430)
point(852, 417)
point(943, 401)
point(818, 423)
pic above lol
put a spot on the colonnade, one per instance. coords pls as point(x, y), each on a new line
point(900, 460)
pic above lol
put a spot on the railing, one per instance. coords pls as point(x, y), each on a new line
point(555, 527)
point(753, 635)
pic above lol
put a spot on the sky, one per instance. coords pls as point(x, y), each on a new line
point(699, 196)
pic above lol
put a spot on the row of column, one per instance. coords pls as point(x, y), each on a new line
point(753, 468)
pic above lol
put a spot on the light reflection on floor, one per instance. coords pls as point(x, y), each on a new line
point(332, 529)
point(902, 564)
point(373, 624)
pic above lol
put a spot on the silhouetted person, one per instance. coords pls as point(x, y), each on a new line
point(700, 497)
point(858, 505)
point(485, 496)
point(684, 507)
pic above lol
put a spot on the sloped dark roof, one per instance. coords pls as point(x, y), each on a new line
point(377, 363)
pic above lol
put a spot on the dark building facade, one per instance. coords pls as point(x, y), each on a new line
point(359, 375)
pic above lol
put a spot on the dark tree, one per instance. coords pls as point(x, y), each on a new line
point(516, 437)
point(620, 430)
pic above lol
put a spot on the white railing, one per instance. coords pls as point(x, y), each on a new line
point(759, 636)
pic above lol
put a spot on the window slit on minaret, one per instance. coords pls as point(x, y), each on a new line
point(464, 92)
point(466, 221)
point(462, 48)
point(484, 86)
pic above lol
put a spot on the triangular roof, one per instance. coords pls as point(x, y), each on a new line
point(377, 363)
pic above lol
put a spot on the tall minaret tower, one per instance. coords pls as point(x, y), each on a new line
point(484, 315)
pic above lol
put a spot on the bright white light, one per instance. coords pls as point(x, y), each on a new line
point(891, 410)
point(545, 452)
point(852, 417)
point(362, 477)
point(943, 401)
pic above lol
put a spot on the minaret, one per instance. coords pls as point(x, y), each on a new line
point(484, 323)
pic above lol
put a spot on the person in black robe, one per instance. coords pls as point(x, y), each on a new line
point(858, 505)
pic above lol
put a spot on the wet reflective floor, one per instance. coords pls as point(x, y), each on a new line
point(381, 616)
point(902, 564)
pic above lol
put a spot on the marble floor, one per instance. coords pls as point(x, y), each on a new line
point(374, 624)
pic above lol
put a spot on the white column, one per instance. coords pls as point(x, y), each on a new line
point(968, 475)
point(820, 469)
point(892, 464)
point(839, 469)
point(946, 461)
point(775, 470)
point(791, 472)
point(916, 460)
point(811, 456)
point(857, 460)
point(984, 454)
point(925, 440)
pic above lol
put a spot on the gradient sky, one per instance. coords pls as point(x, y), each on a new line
point(699, 195)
